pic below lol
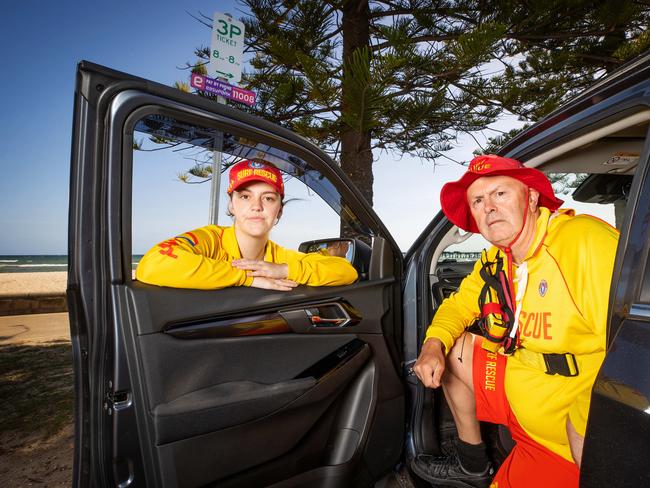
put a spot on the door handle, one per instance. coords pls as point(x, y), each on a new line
point(318, 320)
point(329, 315)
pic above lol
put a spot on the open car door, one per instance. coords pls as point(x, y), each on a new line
point(232, 387)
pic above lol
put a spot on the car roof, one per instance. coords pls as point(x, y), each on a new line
point(601, 130)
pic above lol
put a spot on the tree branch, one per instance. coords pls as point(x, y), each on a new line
point(558, 36)
point(199, 20)
point(190, 66)
point(297, 113)
point(604, 59)
point(169, 144)
point(416, 40)
point(334, 33)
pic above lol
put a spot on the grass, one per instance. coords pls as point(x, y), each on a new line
point(36, 387)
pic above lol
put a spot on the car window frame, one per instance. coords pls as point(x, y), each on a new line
point(129, 106)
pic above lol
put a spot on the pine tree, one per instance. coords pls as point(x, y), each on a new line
point(359, 77)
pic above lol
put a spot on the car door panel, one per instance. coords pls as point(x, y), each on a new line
point(202, 393)
point(158, 308)
point(253, 428)
point(207, 390)
point(226, 393)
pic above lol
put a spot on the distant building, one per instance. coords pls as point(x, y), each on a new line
point(460, 256)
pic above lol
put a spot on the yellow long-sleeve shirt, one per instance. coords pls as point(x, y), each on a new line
point(566, 276)
point(202, 259)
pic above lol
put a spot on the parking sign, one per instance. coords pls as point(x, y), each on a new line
point(226, 48)
point(222, 89)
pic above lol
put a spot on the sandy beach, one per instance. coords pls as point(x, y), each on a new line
point(33, 328)
point(29, 284)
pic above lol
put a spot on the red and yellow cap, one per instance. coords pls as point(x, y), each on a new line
point(453, 196)
point(247, 171)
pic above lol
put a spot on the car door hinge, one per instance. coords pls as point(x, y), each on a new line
point(117, 400)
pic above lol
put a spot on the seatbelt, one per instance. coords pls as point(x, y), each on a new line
point(561, 364)
point(497, 318)
point(496, 306)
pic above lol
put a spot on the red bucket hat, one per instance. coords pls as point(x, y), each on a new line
point(247, 171)
point(453, 196)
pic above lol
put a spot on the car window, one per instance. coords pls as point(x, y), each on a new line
point(171, 190)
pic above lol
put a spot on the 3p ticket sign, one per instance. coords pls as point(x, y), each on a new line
point(226, 48)
point(222, 89)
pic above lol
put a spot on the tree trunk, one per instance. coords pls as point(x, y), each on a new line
point(356, 153)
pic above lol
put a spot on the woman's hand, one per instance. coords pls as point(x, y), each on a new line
point(273, 284)
point(262, 268)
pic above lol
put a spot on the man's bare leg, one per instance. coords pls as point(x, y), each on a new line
point(576, 442)
point(458, 387)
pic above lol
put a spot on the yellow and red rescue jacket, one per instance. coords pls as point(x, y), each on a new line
point(201, 259)
point(566, 277)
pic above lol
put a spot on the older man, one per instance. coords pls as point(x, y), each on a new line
point(539, 296)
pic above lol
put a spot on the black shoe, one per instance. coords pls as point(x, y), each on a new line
point(447, 471)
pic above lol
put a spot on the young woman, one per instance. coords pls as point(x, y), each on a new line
point(214, 257)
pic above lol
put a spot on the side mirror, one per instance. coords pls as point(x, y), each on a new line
point(355, 251)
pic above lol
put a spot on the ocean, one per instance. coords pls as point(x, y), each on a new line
point(40, 263)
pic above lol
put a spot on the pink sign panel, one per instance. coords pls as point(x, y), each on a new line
point(222, 89)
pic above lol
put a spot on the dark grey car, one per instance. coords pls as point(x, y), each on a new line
point(239, 387)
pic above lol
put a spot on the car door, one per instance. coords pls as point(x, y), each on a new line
point(232, 387)
point(618, 428)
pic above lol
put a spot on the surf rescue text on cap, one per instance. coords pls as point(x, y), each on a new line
point(247, 171)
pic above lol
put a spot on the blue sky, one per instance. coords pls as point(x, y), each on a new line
point(41, 43)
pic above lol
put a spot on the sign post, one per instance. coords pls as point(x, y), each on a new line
point(226, 48)
point(215, 185)
point(226, 51)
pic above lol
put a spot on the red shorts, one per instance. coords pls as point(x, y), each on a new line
point(529, 464)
